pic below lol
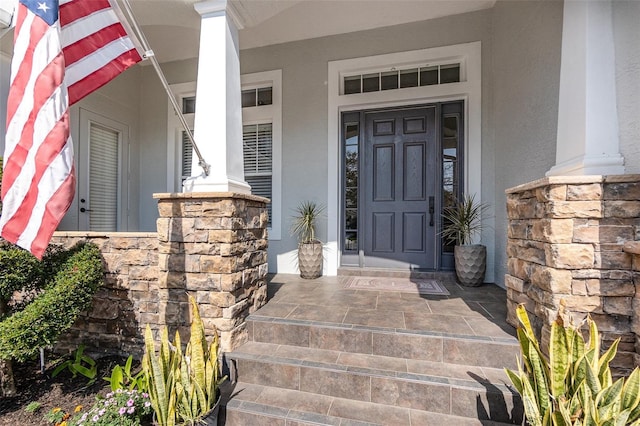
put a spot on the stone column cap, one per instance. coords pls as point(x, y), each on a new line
point(572, 180)
point(208, 195)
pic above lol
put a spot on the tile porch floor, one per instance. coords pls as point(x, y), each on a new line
point(472, 311)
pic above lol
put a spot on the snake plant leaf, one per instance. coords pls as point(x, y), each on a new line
point(562, 416)
point(531, 409)
point(589, 415)
point(515, 379)
point(198, 346)
point(622, 419)
point(611, 395)
point(521, 313)
point(525, 343)
point(171, 411)
point(631, 391)
point(165, 352)
point(577, 344)
point(539, 384)
point(153, 368)
point(558, 358)
point(604, 373)
point(592, 381)
point(580, 373)
point(594, 341)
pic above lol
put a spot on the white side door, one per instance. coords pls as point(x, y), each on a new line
point(102, 198)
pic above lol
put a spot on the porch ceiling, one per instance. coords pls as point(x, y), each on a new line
point(172, 26)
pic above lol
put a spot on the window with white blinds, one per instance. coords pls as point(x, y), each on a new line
point(258, 159)
point(262, 139)
point(187, 156)
point(104, 154)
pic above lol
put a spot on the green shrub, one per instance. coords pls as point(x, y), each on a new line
point(52, 312)
point(574, 385)
point(19, 270)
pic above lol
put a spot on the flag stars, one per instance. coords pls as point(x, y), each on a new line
point(43, 7)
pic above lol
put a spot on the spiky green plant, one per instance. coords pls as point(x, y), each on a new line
point(463, 220)
point(200, 377)
point(160, 373)
point(573, 385)
point(183, 386)
point(304, 221)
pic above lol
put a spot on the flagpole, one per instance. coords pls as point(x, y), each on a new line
point(148, 54)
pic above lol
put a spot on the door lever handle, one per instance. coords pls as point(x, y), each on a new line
point(82, 210)
point(432, 210)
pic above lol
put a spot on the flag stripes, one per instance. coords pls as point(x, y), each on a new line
point(95, 44)
point(38, 177)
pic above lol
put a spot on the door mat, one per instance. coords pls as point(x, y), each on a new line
point(404, 285)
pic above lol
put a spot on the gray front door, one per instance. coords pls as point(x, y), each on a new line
point(400, 182)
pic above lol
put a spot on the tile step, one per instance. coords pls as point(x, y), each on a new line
point(424, 386)
point(251, 404)
point(481, 351)
point(353, 271)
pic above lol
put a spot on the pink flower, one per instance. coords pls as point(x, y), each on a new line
point(131, 410)
point(122, 410)
point(130, 402)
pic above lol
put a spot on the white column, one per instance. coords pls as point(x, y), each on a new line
point(588, 141)
point(218, 117)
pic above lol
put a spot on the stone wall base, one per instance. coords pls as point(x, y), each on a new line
point(566, 238)
point(210, 246)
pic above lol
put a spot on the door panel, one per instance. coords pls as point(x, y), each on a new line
point(399, 178)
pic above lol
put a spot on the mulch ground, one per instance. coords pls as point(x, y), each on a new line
point(63, 391)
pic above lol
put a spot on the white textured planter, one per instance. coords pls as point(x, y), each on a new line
point(471, 264)
point(310, 260)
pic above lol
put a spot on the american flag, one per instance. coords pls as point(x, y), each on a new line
point(63, 50)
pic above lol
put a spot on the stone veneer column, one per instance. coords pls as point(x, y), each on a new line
point(566, 238)
point(633, 248)
point(214, 247)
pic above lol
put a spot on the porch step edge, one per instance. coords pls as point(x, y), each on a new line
point(354, 271)
point(373, 372)
point(277, 320)
point(238, 411)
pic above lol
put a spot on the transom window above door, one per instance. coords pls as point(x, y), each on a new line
point(400, 78)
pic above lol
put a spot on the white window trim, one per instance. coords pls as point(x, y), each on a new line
point(273, 114)
point(468, 89)
point(252, 115)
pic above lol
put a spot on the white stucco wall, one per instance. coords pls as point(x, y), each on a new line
point(526, 73)
point(626, 33)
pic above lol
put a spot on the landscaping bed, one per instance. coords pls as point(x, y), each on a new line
point(63, 391)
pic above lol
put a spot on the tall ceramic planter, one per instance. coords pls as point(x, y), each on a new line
point(211, 418)
point(310, 259)
point(471, 264)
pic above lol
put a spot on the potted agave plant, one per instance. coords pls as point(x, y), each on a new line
point(462, 222)
point(309, 248)
point(184, 386)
